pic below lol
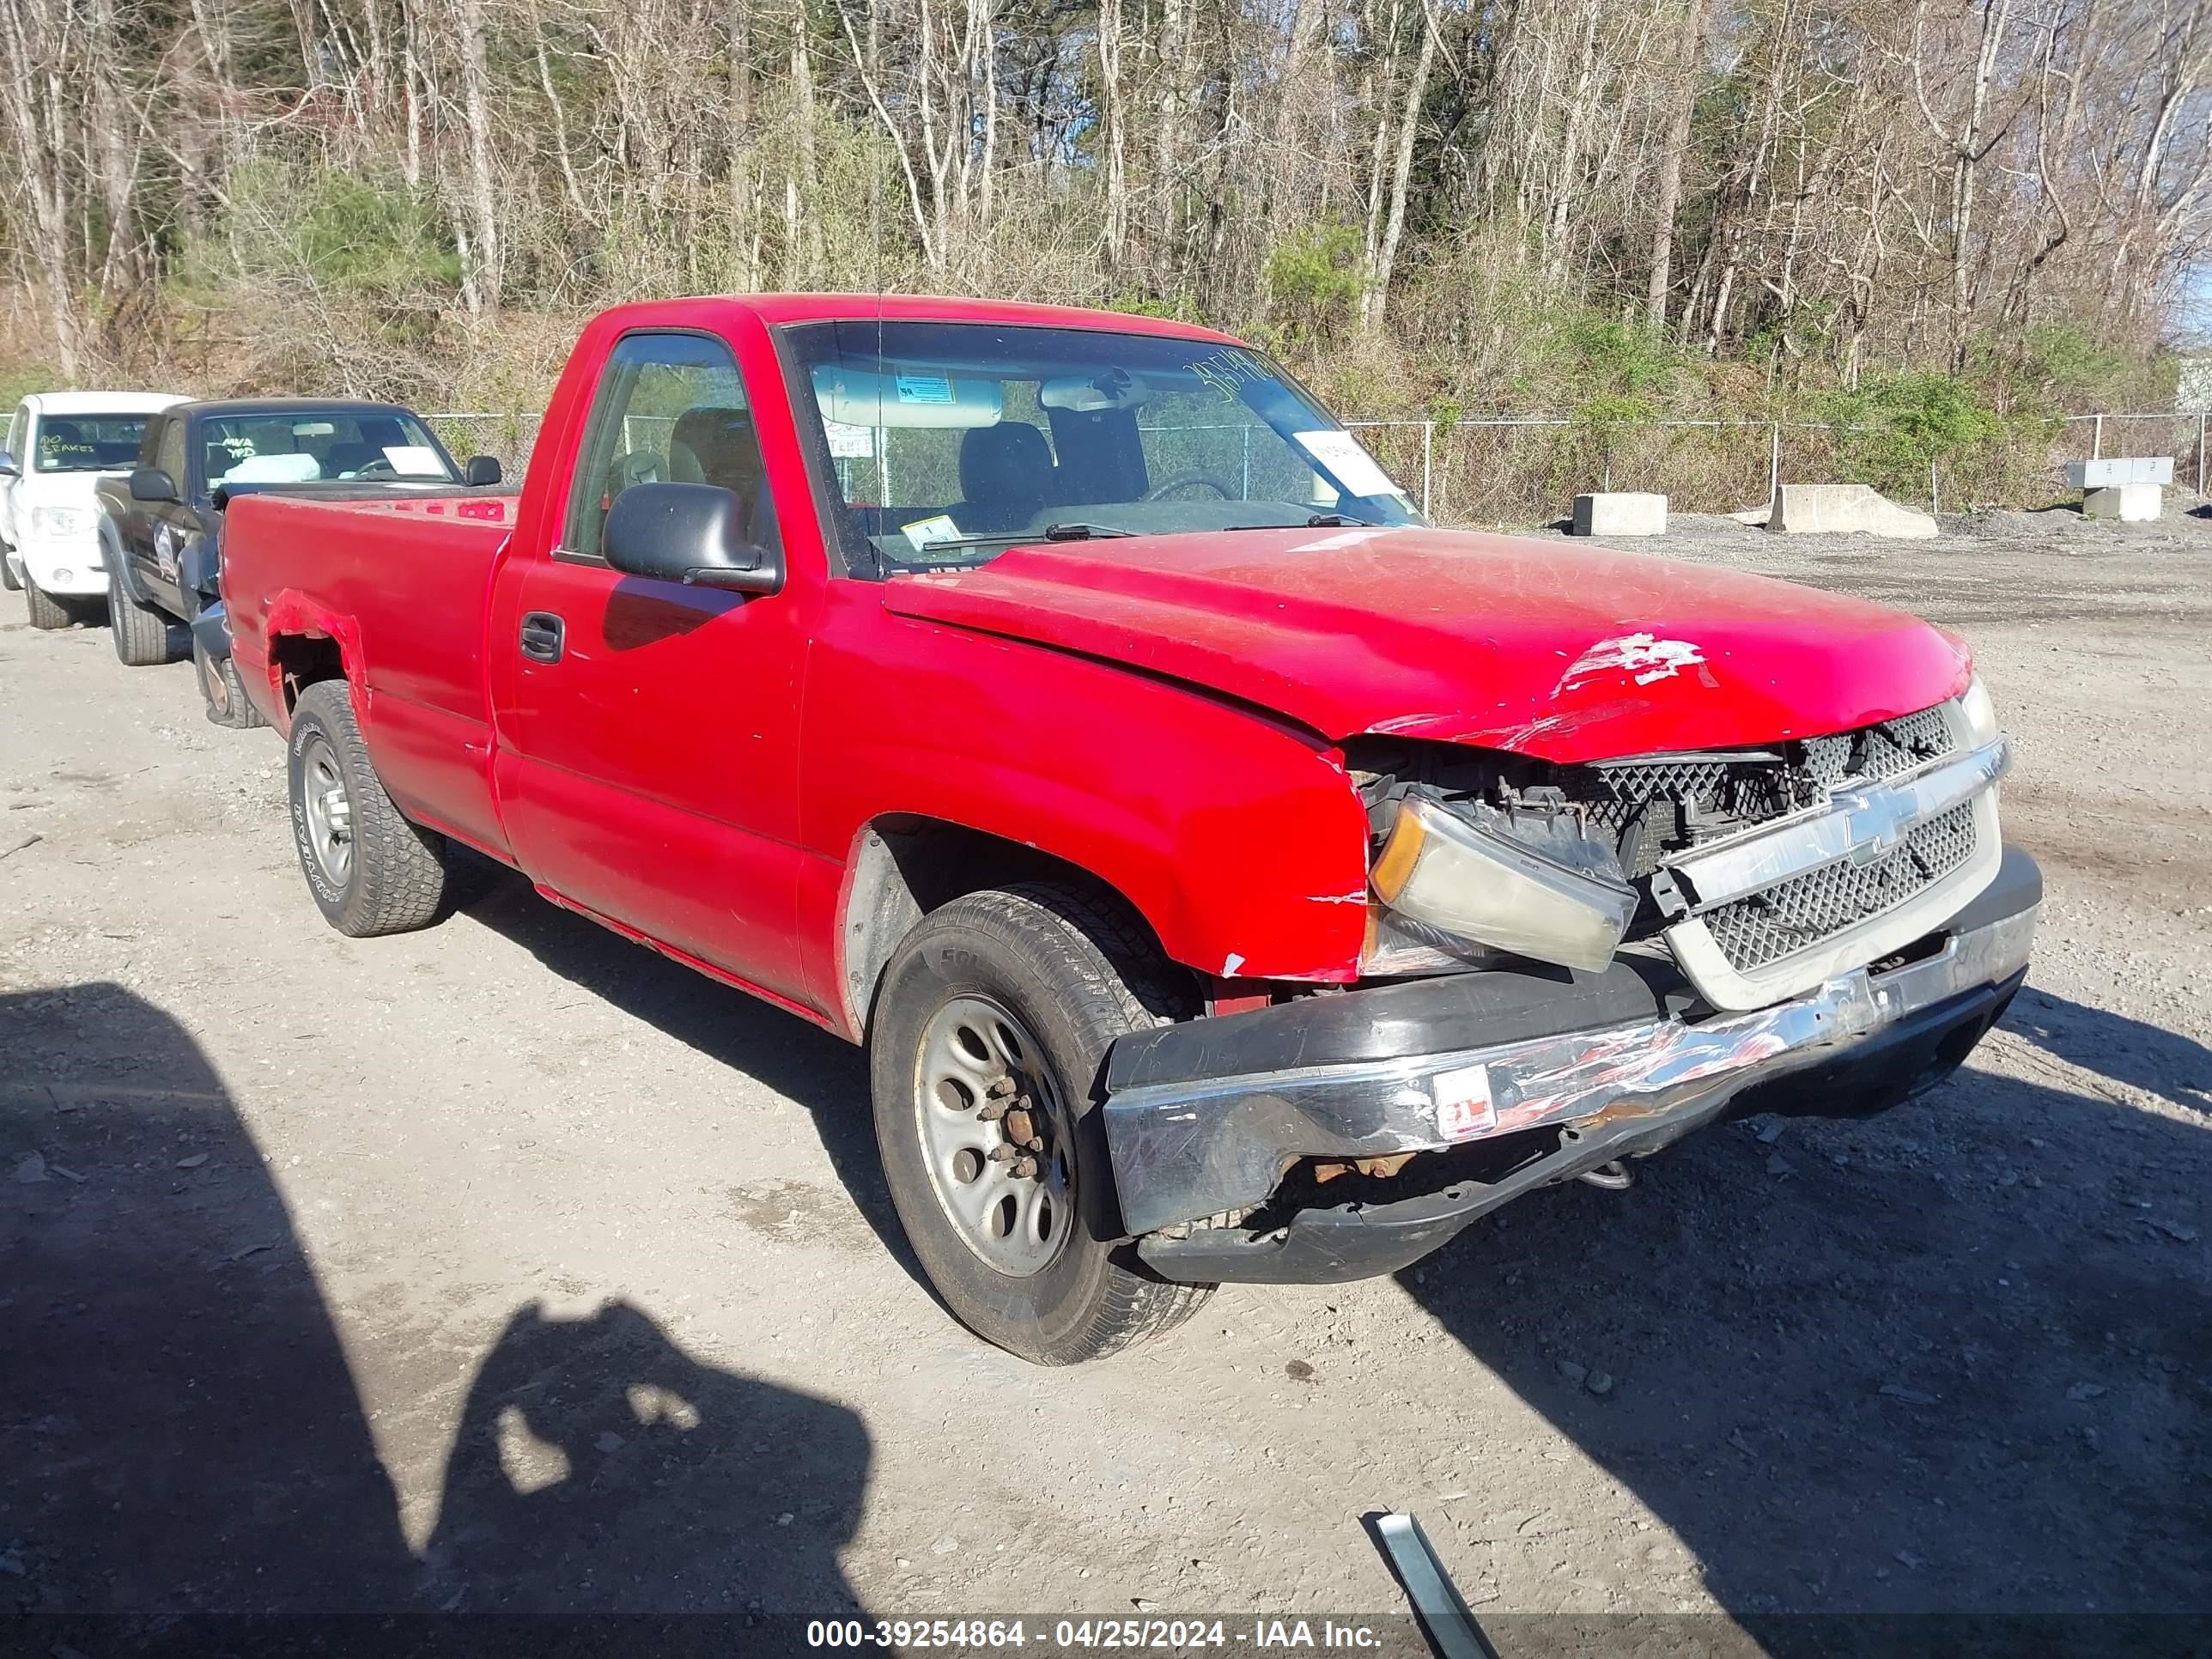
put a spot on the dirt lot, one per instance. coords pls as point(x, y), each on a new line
point(507, 1266)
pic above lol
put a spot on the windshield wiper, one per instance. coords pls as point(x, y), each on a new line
point(1051, 533)
point(1315, 521)
point(984, 540)
point(1083, 533)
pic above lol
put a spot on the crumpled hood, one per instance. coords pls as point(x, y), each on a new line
point(1559, 651)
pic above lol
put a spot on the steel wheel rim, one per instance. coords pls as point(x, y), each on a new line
point(979, 1073)
point(329, 808)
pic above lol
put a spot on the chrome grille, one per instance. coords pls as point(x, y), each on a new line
point(1793, 914)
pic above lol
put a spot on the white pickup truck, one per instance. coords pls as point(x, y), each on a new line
point(59, 444)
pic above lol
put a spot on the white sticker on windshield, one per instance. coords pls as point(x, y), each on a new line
point(923, 389)
point(414, 460)
point(923, 531)
point(1352, 467)
point(850, 443)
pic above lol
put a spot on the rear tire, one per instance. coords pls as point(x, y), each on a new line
point(46, 612)
point(144, 636)
point(370, 869)
point(1020, 990)
point(228, 705)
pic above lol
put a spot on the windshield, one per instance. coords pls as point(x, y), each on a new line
point(301, 446)
point(88, 443)
point(954, 442)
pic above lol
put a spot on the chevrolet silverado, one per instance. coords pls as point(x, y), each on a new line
point(1230, 876)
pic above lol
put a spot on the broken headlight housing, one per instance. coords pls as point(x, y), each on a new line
point(1530, 885)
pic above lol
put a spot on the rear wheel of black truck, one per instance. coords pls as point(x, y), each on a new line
point(370, 869)
point(228, 705)
point(986, 1053)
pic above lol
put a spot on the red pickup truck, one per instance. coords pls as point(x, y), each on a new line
point(1231, 877)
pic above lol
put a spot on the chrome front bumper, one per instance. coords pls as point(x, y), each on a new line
point(1191, 1149)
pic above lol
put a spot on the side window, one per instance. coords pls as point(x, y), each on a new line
point(19, 436)
point(169, 455)
point(670, 409)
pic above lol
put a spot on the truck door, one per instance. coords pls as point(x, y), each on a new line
point(651, 775)
point(154, 534)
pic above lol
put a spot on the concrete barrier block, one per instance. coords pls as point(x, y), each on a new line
point(2120, 470)
point(1620, 512)
point(1844, 509)
point(2130, 503)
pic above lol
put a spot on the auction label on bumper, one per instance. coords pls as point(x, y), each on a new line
point(1248, 1633)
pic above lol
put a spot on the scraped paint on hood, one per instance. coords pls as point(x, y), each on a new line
point(1561, 652)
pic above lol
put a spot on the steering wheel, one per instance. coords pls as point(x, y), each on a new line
point(376, 470)
point(1185, 481)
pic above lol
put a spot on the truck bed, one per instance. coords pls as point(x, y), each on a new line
point(403, 585)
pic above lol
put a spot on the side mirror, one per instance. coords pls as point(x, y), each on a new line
point(689, 533)
point(9, 467)
point(480, 471)
point(150, 484)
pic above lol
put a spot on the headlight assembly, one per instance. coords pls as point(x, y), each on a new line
point(1981, 714)
point(1531, 887)
point(58, 523)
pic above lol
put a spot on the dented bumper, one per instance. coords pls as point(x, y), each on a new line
point(1205, 1120)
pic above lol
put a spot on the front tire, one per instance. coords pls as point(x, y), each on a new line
point(144, 636)
point(370, 869)
point(994, 1018)
point(228, 705)
point(7, 571)
point(46, 612)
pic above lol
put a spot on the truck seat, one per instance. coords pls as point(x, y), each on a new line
point(1005, 474)
point(717, 445)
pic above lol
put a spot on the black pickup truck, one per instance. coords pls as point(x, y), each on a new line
point(161, 527)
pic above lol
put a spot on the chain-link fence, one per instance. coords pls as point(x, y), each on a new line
point(508, 439)
point(1525, 469)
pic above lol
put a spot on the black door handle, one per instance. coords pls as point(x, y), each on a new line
point(542, 634)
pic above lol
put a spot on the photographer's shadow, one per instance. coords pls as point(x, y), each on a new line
point(181, 1434)
point(599, 1467)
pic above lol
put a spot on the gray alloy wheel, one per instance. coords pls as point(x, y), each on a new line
point(371, 872)
point(329, 807)
point(995, 1136)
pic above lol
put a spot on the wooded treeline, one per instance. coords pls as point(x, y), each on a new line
point(1444, 201)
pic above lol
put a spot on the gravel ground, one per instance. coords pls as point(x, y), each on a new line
point(507, 1266)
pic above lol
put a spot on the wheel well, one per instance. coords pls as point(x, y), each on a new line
point(301, 659)
point(906, 867)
